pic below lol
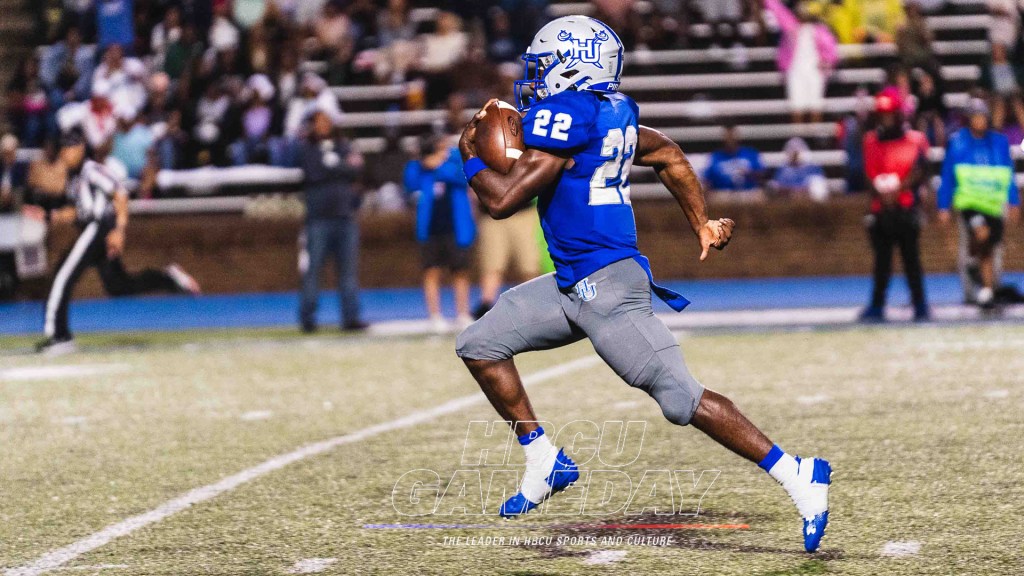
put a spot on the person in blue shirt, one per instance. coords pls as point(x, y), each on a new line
point(798, 177)
point(735, 167)
point(444, 225)
point(582, 137)
point(978, 181)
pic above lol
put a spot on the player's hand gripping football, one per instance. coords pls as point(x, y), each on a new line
point(467, 144)
point(715, 234)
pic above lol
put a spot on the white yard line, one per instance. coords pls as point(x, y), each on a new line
point(60, 371)
point(57, 558)
point(311, 565)
point(253, 415)
point(604, 557)
point(96, 567)
point(901, 549)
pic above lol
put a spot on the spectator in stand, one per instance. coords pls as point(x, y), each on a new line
point(247, 13)
point(851, 136)
point(664, 27)
point(1006, 91)
point(261, 55)
point(165, 33)
point(734, 168)
point(67, 68)
point(47, 178)
point(331, 167)
point(621, 16)
point(397, 39)
point(444, 225)
point(441, 51)
point(12, 174)
point(95, 117)
point(798, 176)
point(223, 34)
point(287, 78)
point(501, 46)
point(1004, 27)
point(896, 166)
point(878, 20)
point(115, 24)
point(122, 78)
point(183, 53)
point(978, 180)
point(931, 108)
point(210, 134)
point(257, 144)
point(394, 23)
point(133, 141)
point(914, 42)
point(723, 16)
point(333, 31)
point(82, 14)
point(314, 95)
point(807, 55)
point(27, 103)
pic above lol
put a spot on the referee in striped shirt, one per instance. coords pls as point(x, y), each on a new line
point(100, 204)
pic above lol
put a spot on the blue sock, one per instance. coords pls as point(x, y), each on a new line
point(771, 458)
point(525, 439)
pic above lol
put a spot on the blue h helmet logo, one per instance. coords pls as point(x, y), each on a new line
point(586, 51)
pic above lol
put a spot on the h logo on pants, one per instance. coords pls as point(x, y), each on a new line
point(586, 290)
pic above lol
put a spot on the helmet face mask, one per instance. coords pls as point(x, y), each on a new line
point(533, 88)
point(570, 53)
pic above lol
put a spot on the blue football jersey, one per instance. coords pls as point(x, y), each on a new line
point(587, 218)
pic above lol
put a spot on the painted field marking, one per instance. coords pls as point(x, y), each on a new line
point(970, 345)
point(95, 567)
point(605, 557)
point(56, 558)
point(901, 549)
point(311, 565)
point(253, 415)
point(60, 371)
point(813, 399)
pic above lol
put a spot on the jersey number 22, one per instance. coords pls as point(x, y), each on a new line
point(610, 183)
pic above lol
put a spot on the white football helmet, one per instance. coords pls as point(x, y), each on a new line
point(570, 53)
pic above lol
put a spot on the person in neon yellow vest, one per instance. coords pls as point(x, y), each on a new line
point(978, 181)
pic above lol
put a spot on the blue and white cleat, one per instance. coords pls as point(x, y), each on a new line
point(815, 477)
point(563, 473)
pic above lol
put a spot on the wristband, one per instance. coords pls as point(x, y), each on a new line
point(472, 167)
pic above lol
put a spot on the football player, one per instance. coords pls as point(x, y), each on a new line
point(582, 137)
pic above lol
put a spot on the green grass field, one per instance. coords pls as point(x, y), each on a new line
point(923, 427)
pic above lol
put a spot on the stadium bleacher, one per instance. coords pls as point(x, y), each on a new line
point(690, 94)
point(687, 93)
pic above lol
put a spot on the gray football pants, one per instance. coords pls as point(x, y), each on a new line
point(611, 307)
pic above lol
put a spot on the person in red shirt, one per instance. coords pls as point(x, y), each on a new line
point(895, 163)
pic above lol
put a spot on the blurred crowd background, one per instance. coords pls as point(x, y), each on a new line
point(771, 98)
point(183, 84)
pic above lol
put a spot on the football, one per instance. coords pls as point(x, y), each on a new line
point(499, 137)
